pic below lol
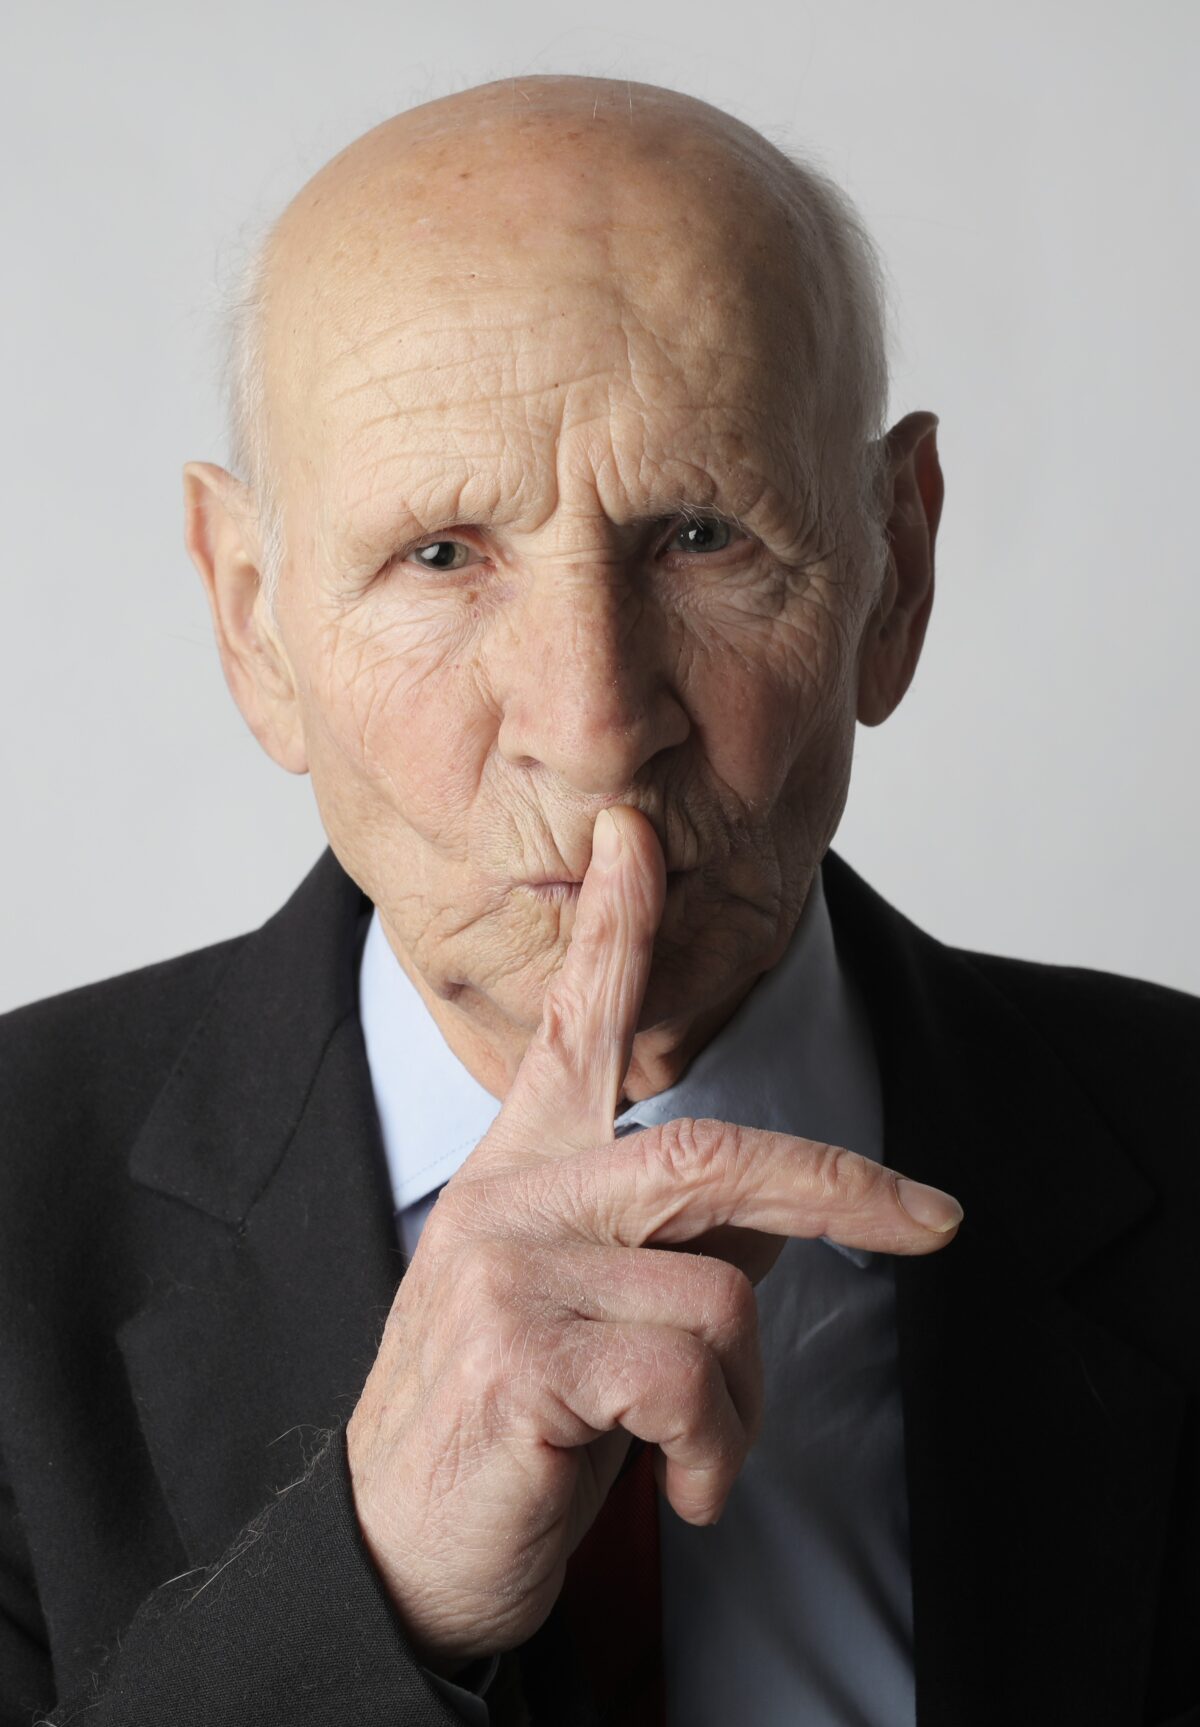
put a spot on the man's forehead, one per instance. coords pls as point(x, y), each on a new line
point(518, 423)
point(677, 323)
point(485, 400)
point(467, 187)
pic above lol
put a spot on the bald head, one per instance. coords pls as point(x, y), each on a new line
point(572, 192)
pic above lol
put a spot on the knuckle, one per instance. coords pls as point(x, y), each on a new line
point(592, 935)
point(549, 1201)
point(438, 1232)
point(573, 1365)
point(496, 1360)
point(558, 1014)
point(693, 1372)
point(473, 1208)
point(456, 1213)
point(692, 1150)
point(734, 1299)
point(489, 1277)
point(844, 1178)
point(475, 1389)
point(566, 1001)
point(475, 1362)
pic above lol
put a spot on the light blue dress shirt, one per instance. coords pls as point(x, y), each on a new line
point(795, 1610)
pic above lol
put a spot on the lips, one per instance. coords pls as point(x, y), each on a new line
point(565, 887)
point(554, 892)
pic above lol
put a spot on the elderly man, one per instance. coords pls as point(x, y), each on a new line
point(520, 1283)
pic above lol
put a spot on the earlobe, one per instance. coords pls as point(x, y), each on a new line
point(220, 532)
point(895, 632)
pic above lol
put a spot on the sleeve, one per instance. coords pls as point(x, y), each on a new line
point(26, 1680)
point(291, 1626)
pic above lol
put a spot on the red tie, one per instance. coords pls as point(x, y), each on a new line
point(613, 1602)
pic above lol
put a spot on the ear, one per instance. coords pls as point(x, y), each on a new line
point(892, 641)
point(221, 534)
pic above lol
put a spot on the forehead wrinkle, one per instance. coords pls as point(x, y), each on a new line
point(501, 323)
point(509, 345)
point(474, 326)
point(678, 166)
point(671, 386)
point(551, 497)
point(603, 408)
point(733, 457)
point(735, 433)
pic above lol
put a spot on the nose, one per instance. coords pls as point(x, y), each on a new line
point(586, 691)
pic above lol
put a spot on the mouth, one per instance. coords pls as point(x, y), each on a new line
point(564, 890)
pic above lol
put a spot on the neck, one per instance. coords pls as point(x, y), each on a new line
point(491, 1047)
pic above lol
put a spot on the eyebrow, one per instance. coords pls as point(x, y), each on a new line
point(403, 523)
point(410, 493)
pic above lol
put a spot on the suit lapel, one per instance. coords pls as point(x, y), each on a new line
point(272, 1259)
point(1039, 1446)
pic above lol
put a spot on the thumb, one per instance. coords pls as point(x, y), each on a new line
point(565, 1093)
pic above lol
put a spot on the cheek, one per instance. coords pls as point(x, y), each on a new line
point(773, 705)
point(400, 723)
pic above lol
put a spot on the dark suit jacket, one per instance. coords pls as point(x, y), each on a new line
point(197, 1254)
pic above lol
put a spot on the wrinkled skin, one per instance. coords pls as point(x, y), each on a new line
point(557, 345)
point(541, 337)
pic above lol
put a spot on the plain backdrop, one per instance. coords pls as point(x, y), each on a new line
point(1029, 171)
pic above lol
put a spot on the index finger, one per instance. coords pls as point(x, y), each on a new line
point(565, 1093)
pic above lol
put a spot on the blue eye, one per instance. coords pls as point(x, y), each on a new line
point(442, 555)
point(702, 534)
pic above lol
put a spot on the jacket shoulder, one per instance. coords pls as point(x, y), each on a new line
point(1131, 1044)
point(1095, 1005)
point(153, 996)
point(83, 1068)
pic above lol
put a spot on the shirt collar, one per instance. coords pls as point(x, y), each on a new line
point(796, 1057)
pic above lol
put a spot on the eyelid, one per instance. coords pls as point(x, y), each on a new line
point(673, 523)
point(455, 536)
point(737, 532)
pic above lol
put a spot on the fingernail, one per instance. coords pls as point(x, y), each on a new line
point(606, 841)
point(928, 1206)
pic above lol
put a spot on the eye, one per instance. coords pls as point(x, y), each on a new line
point(441, 555)
point(702, 534)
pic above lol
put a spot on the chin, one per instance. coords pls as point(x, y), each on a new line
point(709, 944)
point(709, 947)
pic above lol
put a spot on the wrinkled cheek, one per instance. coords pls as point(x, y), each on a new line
point(816, 776)
point(756, 730)
point(424, 745)
point(406, 730)
point(768, 694)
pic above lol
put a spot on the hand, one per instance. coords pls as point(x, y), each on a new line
point(545, 1319)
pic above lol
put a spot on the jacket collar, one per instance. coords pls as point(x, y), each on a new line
point(223, 1122)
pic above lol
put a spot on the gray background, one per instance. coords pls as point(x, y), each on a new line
point(1029, 172)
